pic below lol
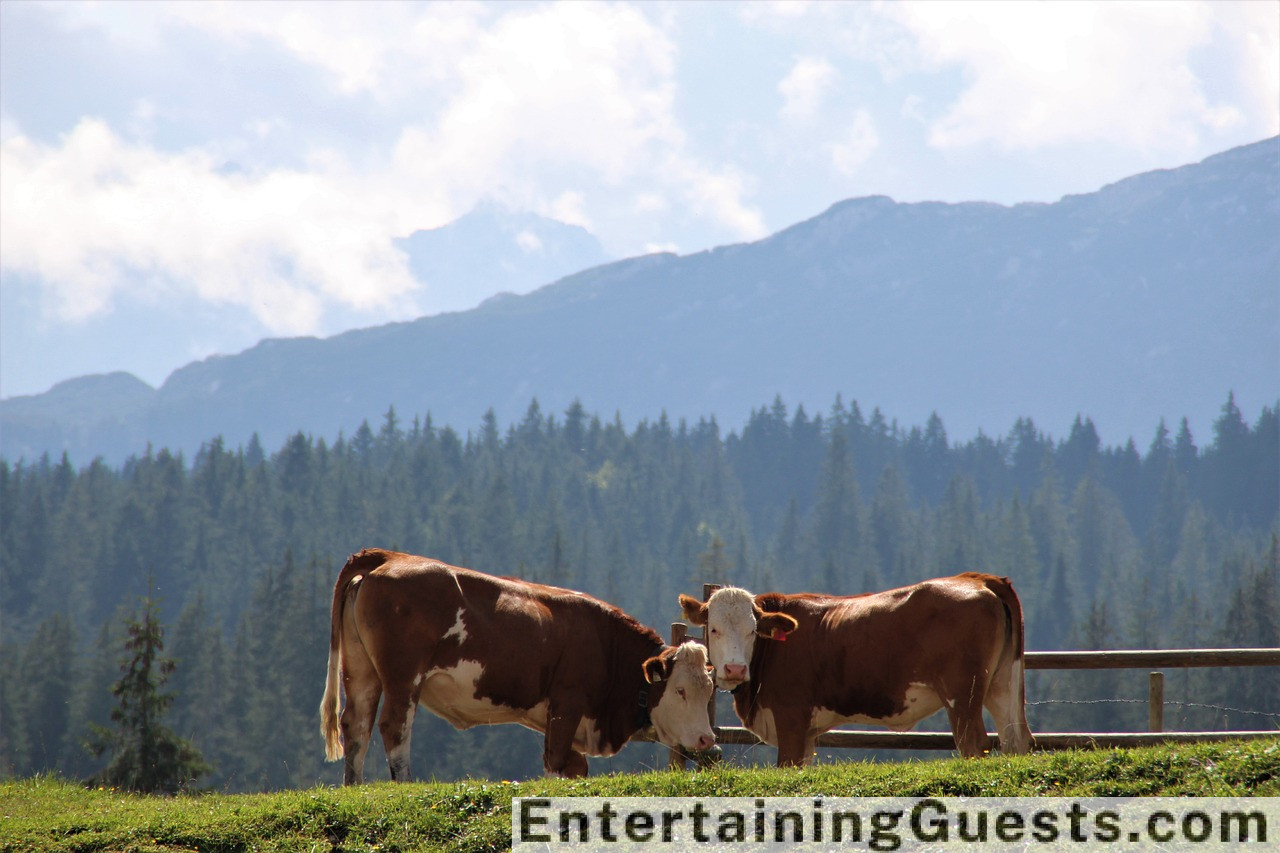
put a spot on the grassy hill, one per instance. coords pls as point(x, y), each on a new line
point(55, 815)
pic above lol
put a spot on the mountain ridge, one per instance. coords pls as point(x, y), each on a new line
point(1150, 298)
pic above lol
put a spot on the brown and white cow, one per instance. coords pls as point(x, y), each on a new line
point(799, 665)
point(477, 649)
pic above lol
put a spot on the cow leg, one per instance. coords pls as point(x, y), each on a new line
point(572, 765)
point(559, 758)
point(1006, 702)
point(795, 738)
point(396, 726)
point(357, 730)
point(363, 688)
point(810, 749)
point(967, 726)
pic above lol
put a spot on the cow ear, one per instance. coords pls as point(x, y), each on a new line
point(695, 611)
point(775, 626)
point(655, 670)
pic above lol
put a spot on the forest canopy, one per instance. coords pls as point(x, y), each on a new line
point(1173, 545)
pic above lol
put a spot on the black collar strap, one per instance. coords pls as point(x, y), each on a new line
point(642, 710)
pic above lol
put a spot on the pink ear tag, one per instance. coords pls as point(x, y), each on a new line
point(779, 635)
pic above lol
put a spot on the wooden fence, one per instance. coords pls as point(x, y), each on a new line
point(1077, 660)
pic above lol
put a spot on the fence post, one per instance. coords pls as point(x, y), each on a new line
point(1155, 702)
point(709, 589)
point(713, 755)
point(675, 758)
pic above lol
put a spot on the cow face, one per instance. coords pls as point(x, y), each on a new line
point(680, 689)
point(733, 621)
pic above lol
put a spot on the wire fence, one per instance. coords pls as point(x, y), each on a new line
point(1168, 703)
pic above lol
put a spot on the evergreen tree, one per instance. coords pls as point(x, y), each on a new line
point(201, 686)
point(1027, 450)
point(891, 527)
point(838, 534)
point(1186, 456)
point(786, 552)
point(1097, 631)
point(928, 461)
point(146, 756)
point(959, 529)
point(1049, 519)
point(1079, 453)
point(714, 565)
point(1252, 619)
point(1049, 618)
point(48, 672)
point(1016, 556)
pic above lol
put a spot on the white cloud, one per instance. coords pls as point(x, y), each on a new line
point(1066, 72)
point(528, 242)
point(859, 143)
point(1253, 31)
point(569, 94)
point(566, 207)
point(524, 100)
point(9, 127)
point(716, 195)
point(384, 54)
point(805, 86)
point(585, 84)
point(566, 109)
point(650, 202)
point(95, 215)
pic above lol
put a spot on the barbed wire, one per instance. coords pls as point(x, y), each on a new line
point(1144, 702)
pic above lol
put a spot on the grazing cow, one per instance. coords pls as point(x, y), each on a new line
point(476, 649)
point(799, 665)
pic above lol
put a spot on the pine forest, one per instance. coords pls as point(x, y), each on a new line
point(1168, 545)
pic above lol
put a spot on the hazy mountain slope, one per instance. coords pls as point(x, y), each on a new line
point(1151, 297)
point(491, 245)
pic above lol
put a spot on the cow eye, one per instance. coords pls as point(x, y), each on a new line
point(680, 692)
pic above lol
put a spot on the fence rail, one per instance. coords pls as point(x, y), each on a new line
point(857, 739)
point(1059, 660)
point(1144, 658)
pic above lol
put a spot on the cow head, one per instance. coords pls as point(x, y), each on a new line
point(680, 688)
point(733, 621)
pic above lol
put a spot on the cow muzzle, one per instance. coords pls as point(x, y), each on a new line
point(732, 675)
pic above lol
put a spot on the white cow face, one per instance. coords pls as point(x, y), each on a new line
point(733, 621)
point(681, 688)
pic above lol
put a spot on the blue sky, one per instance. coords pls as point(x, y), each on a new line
point(182, 179)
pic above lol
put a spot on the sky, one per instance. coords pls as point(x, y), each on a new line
point(183, 179)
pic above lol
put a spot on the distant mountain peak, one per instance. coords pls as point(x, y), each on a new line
point(493, 249)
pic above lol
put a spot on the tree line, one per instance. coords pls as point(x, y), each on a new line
point(1108, 547)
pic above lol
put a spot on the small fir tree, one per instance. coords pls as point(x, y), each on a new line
point(146, 756)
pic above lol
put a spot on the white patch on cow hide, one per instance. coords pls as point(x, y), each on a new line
point(458, 630)
point(451, 694)
point(920, 701)
point(587, 739)
point(762, 725)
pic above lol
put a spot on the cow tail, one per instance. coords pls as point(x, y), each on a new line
point(330, 705)
point(1016, 629)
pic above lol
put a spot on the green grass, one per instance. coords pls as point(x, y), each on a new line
point(55, 815)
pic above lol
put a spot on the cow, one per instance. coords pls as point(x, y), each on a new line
point(801, 664)
point(477, 649)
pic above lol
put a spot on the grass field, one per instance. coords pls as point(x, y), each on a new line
point(56, 815)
